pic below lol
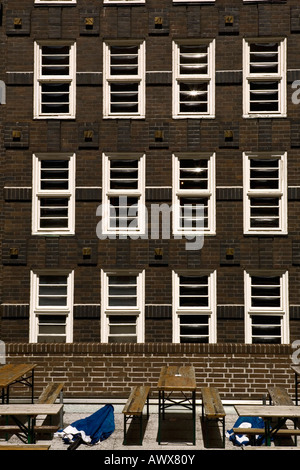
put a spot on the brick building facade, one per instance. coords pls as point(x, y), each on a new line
point(112, 107)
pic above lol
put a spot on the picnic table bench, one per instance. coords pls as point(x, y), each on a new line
point(278, 396)
point(212, 407)
point(134, 408)
point(24, 416)
point(49, 395)
point(279, 413)
point(24, 447)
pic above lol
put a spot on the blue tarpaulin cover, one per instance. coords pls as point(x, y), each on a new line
point(97, 427)
point(245, 422)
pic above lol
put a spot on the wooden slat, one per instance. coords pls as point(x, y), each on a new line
point(212, 403)
point(50, 393)
point(136, 400)
point(282, 432)
point(15, 429)
point(29, 409)
point(268, 411)
point(279, 396)
point(25, 447)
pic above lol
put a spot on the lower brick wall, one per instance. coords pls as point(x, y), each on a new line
point(94, 370)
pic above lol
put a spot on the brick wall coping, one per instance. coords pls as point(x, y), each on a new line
point(147, 348)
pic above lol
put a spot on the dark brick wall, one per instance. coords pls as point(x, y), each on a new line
point(21, 136)
point(109, 371)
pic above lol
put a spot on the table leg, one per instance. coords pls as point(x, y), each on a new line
point(31, 424)
point(159, 413)
point(268, 432)
point(194, 416)
point(32, 387)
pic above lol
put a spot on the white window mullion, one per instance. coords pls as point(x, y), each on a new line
point(55, 2)
point(55, 93)
point(51, 306)
point(194, 307)
point(264, 77)
point(53, 194)
point(265, 193)
point(266, 307)
point(124, 79)
point(194, 194)
point(123, 194)
point(122, 306)
point(193, 79)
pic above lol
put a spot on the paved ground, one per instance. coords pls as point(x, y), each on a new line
point(176, 433)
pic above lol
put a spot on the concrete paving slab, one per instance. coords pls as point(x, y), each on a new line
point(176, 433)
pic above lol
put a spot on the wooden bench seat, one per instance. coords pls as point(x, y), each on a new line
point(261, 431)
point(212, 407)
point(279, 396)
point(134, 408)
point(49, 395)
point(13, 429)
point(24, 447)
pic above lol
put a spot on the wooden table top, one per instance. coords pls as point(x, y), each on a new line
point(12, 372)
point(30, 409)
point(173, 378)
point(268, 411)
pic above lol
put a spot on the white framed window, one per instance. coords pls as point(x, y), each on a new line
point(264, 77)
point(55, 80)
point(122, 307)
point(123, 1)
point(194, 307)
point(123, 198)
point(194, 79)
point(53, 194)
point(266, 308)
point(55, 2)
point(51, 307)
point(265, 193)
point(193, 1)
point(124, 79)
point(194, 194)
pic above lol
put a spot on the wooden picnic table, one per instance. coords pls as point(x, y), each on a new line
point(29, 411)
point(11, 374)
point(176, 379)
point(269, 413)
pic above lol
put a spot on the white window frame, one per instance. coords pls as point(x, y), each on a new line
point(208, 78)
point(282, 311)
point(36, 310)
point(109, 79)
point(38, 193)
point(193, 1)
point(280, 193)
point(139, 193)
point(211, 310)
point(54, 2)
point(39, 80)
point(279, 77)
point(138, 310)
point(128, 2)
point(209, 193)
